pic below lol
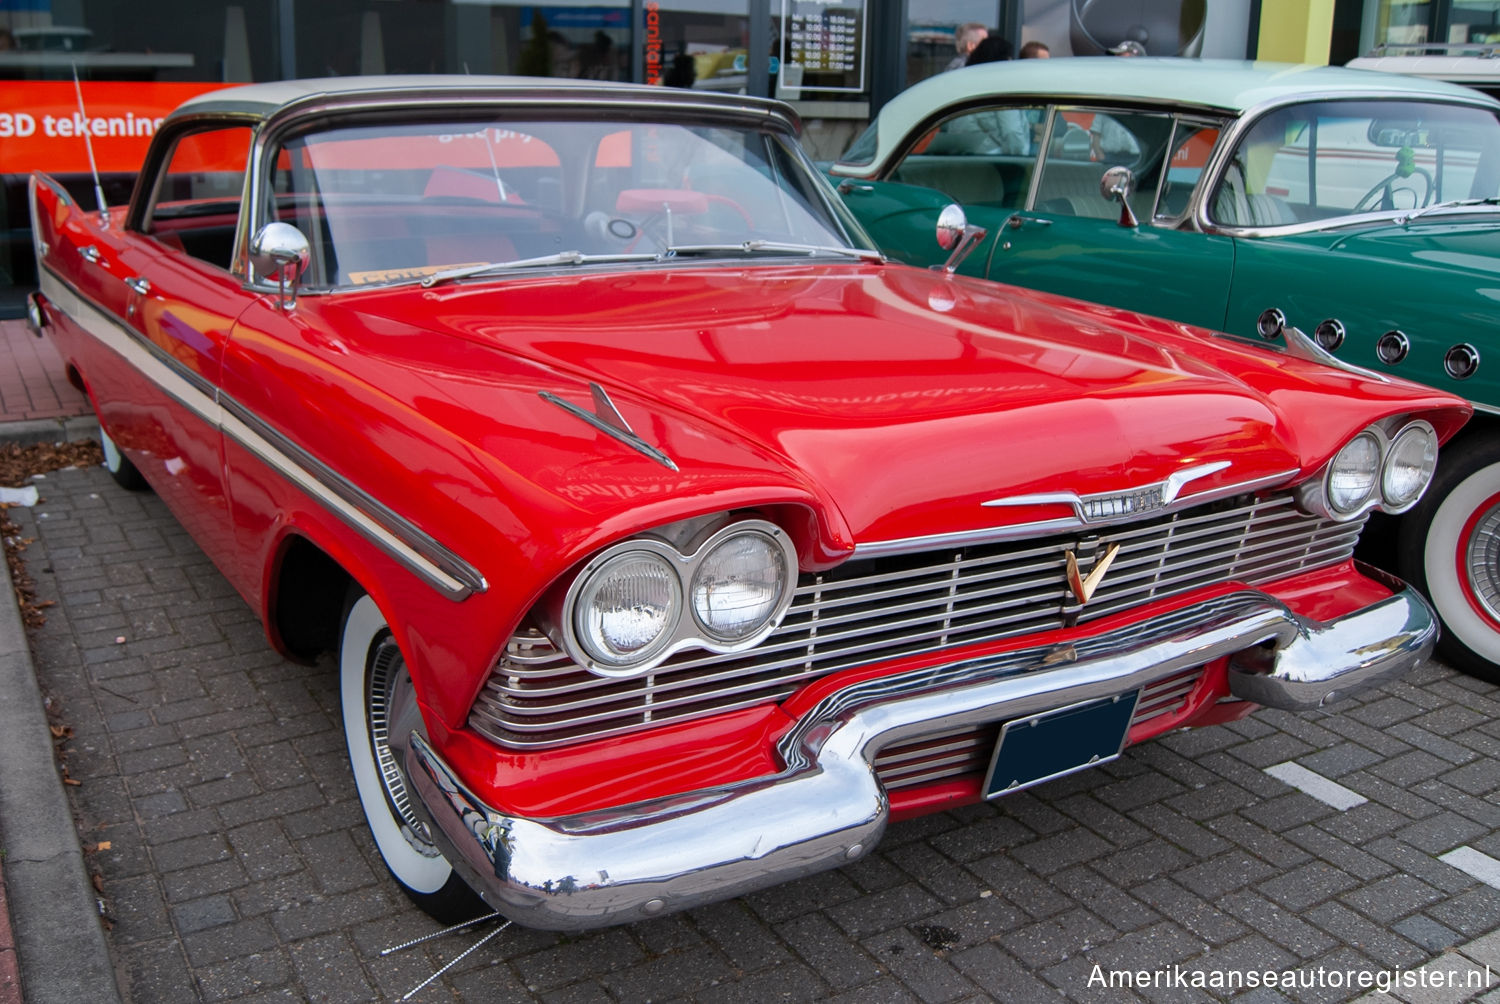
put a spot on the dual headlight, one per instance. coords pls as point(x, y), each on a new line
point(643, 599)
point(1376, 470)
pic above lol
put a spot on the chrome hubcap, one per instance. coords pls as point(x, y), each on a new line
point(1483, 562)
point(385, 710)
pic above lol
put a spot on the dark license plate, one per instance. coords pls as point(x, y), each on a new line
point(1062, 741)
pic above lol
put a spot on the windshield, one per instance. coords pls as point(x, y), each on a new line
point(403, 202)
point(1327, 159)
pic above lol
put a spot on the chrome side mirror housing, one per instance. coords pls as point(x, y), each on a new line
point(1116, 184)
point(957, 236)
point(950, 226)
point(281, 248)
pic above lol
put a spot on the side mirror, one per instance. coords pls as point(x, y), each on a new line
point(950, 226)
point(956, 236)
point(1118, 183)
point(281, 248)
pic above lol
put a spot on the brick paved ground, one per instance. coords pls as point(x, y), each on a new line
point(33, 383)
point(238, 866)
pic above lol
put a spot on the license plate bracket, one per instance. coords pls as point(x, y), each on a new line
point(1059, 742)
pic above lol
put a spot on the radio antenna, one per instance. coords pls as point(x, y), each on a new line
point(88, 144)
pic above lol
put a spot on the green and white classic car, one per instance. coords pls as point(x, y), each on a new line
point(1322, 210)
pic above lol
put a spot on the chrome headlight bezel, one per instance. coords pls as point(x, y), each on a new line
point(1315, 496)
point(1412, 429)
point(684, 630)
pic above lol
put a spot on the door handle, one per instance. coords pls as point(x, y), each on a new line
point(138, 284)
point(90, 254)
point(845, 187)
point(1017, 221)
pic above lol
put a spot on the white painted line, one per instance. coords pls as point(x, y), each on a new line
point(1319, 787)
point(1476, 863)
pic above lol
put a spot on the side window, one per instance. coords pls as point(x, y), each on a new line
point(197, 198)
point(1192, 144)
point(983, 157)
point(1087, 141)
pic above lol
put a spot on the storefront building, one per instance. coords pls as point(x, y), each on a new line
point(836, 61)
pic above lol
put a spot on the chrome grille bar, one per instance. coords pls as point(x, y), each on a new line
point(876, 609)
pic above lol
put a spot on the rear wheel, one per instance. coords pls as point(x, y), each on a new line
point(377, 699)
point(120, 468)
point(1449, 547)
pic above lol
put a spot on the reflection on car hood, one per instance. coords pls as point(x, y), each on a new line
point(903, 398)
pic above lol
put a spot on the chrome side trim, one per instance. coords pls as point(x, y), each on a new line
point(607, 419)
point(392, 533)
point(469, 578)
point(826, 807)
point(1018, 531)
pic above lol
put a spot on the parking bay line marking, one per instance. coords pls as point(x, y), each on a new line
point(1319, 787)
point(1474, 863)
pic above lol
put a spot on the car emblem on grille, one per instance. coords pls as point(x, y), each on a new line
point(1113, 506)
point(1083, 586)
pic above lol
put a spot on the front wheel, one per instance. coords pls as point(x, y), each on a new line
point(1449, 547)
point(376, 694)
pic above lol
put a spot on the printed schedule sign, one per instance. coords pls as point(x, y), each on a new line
point(42, 128)
point(823, 44)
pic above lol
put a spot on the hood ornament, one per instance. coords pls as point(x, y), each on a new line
point(1083, 586)
point(607, 419)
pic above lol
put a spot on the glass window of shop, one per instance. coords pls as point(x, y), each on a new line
point(1431, 24)
point(1076, 28)
point(702, 44)
point(1474, 21)
point(358, 37)
point(935, 39)
point(163, 41)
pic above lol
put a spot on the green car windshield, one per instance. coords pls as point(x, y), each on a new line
point(1318, 161)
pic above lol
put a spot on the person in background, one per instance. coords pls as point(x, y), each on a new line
point(1035, 50)
point(998, 130)
point(684, 71)
point(965, 39)
point(990, 49)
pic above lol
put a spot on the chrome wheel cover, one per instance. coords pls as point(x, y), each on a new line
point(389, 705)
point(1482, 562)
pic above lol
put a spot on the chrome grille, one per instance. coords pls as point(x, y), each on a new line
point(967, 751)
point(875, 609)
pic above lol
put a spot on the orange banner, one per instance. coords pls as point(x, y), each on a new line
point(41, 128)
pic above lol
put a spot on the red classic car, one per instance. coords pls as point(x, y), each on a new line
point(671, 539)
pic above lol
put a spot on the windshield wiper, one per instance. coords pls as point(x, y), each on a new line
point(1451, 204)
point(772, 247)
point(560, 258)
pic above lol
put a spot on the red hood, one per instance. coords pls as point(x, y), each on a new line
point(905, 398)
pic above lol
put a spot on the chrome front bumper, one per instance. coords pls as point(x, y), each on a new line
point(827, 808)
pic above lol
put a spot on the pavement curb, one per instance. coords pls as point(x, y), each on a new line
point(49, 430)
point(59, 941)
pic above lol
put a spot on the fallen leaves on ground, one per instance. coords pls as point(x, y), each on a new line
point(17, 465)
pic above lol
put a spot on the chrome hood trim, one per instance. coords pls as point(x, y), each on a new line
point(607, 419)
point(1100, 510)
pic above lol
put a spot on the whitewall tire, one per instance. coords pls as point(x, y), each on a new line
point(1449, 547)
point(372, 671)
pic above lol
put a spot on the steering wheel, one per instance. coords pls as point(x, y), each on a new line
point(1386, 189)
point(724, 200)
